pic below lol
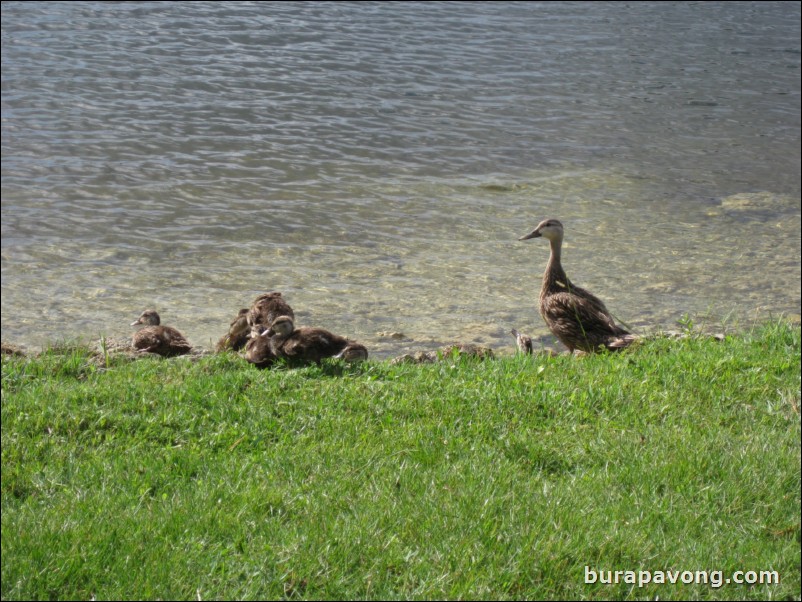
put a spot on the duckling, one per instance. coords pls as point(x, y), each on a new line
point(575, 316)
point(302, 345)
point(353, 352)
point(265, 309)
point(237, 335)
point(523, 341)
point(154, 338)
point(259, 351)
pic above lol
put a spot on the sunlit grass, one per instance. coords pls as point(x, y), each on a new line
point(179, 479)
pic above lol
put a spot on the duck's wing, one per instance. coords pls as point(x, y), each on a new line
point(312, 344)
point(582, 296)
point(578, 322)
point(163, 340)
point(147, 339)
point(592, 313)
point(175, 340)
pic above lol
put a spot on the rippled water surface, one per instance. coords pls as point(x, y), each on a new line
point(377, 162)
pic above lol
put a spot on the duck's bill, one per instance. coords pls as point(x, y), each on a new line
point(533, 234)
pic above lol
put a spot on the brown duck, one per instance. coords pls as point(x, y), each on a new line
point(259, 351)
point(154, 338)
point(238, 333)
point(575, 316)
point(265, 309)
point(523, 341)
point(303, 345)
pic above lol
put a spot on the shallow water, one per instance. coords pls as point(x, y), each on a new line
point(378, 162)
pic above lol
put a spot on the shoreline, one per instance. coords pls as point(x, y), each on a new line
point(546, 346)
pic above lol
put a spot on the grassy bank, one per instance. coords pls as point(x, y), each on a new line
point(209, 479)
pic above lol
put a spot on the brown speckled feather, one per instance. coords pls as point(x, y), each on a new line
point(575, 316)
point(237, 335)
point(265, 309)
point(154, 338)
point(311, 345)
point(579, 323)
point(303, 345)
point(163, 340)
point(259, 352)
point(523, 341)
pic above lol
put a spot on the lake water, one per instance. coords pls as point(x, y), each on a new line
point(377, 162)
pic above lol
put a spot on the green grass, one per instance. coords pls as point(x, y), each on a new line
point(209, 479)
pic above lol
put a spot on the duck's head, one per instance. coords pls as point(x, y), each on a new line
point(353, 352)
point(282, 326)
point(550, 229)
point(149, 317)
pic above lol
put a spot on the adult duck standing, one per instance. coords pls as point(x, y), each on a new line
point(574, 315)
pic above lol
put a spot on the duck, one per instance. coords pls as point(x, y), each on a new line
point(303, 345)
point(578, 318)
point(155, 338)
point(523, 341)
point(237, 335)
point(265, 309)
point(259, 351)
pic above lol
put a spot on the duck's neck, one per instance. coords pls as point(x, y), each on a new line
point(554, 277)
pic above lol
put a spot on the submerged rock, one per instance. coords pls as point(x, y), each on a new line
point(9, 349)
point(467, 349)
point(398, 336)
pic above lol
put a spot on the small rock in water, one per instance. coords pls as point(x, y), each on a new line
point(9, 349)
point(468, 349)
point(391, 335)
point(419, 357)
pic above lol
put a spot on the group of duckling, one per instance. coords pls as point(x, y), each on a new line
point(266, 331)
